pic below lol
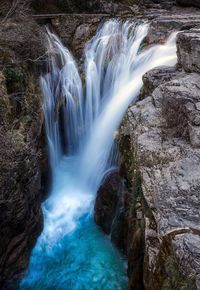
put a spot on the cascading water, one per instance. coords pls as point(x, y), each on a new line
point(72, 253)
point(62, 89)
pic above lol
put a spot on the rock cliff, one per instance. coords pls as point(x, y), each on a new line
point(22, 147)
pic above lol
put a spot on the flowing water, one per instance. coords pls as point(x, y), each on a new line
point(81, 120)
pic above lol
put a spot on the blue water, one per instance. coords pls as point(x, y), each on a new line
point(72, 253)
point(84, 259)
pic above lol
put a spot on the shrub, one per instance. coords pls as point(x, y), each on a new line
point(15, 79)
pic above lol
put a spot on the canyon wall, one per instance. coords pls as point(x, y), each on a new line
point(22, 153)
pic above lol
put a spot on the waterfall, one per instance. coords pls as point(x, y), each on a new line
point(81, 122)
point(115, 65)
point(63, 98)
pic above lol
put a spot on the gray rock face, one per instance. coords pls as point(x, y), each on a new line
point(153, 78)
point(164, 132)
point(162, 26)
point(188, 46)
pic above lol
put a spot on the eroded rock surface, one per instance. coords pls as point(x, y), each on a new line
point(163, 25)
point(164, 136)
point(188, 44)
point(21, 152)
point(106, 202)
point(20, 182)
point(75, 31)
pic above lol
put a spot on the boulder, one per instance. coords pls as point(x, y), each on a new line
point(106, 201)
point(153, 78)
point(188, 50)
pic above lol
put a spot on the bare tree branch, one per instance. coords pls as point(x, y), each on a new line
point(10, 11)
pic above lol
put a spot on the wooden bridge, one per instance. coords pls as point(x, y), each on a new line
point(79, 15)
point(50, 16)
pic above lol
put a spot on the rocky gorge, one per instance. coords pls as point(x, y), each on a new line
point(150, 207)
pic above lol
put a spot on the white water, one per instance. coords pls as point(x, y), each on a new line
point(114, 66)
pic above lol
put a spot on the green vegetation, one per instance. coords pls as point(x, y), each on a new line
point(176, 280)
point(15, 79)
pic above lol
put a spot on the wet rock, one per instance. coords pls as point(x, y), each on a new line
point(84, 32)
point(106, 201)
point(76, 30)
